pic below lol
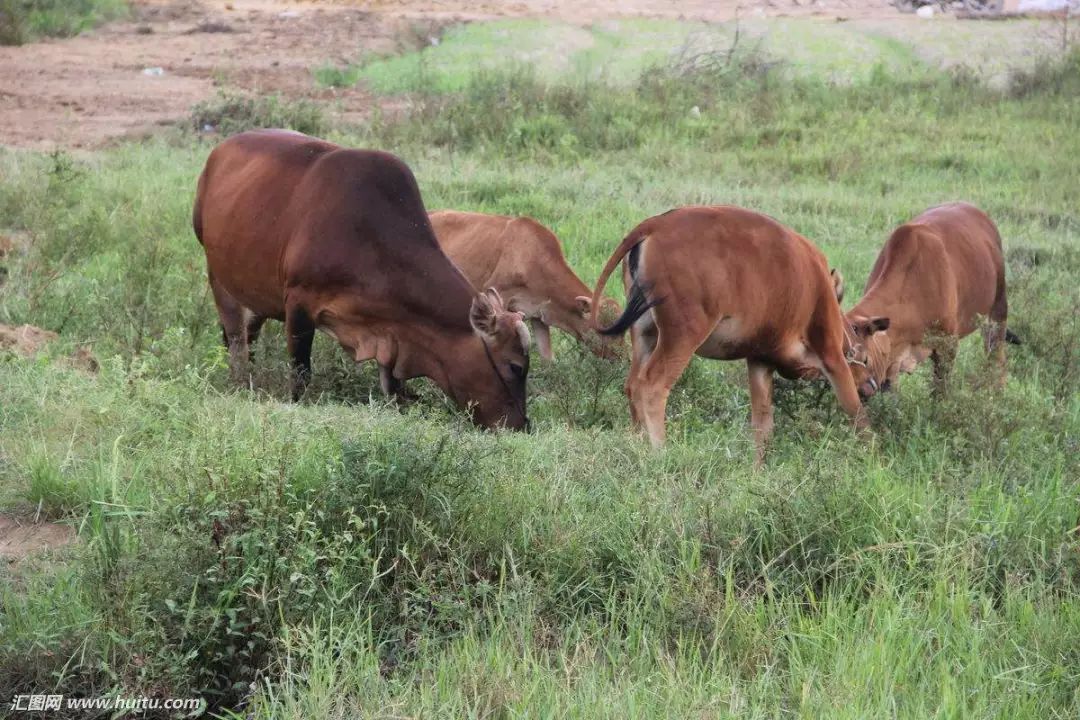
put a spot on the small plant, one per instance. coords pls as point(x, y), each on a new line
point(337, 76)
point(233, 112)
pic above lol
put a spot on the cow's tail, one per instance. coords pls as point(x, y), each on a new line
point(638, 301)
point(196, 210)
point(1012, 338)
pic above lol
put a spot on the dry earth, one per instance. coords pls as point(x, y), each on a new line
point(87, 91)
point(19, 538)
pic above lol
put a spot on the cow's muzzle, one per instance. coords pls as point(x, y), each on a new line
point(868, 389)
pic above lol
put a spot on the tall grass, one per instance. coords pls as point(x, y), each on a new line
point(343, 558)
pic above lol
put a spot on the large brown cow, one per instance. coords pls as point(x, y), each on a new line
point(726, 283)
point(323, 237)
point(930, 284)
point(523, 260)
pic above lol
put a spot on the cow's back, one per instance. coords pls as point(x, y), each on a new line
point(972, 245)
point(750, 263)
point(243, 211)
point(946, 265)
point(473, 241)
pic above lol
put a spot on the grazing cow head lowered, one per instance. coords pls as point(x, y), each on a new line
point(866, 347)
point(505, 341)
point(936, 279)
point(337, 240)
point(524, 261)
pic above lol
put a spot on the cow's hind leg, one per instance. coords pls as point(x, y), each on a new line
point(299, 334)
point(677, 339)
point(760, 376)
point(234, 318)
point(642, 344)
point(252, 328)
point(995, 332)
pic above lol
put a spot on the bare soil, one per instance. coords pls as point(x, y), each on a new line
point(104, 85)
point(28, 340)
point(20, 538)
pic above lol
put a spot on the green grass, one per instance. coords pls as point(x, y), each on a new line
point(337, 76)
point(617, 51)
point(23, 21)
point(340, 558)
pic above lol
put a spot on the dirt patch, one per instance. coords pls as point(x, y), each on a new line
point(587, 11)
point(20, 538)
point(126, 78)
point(28, 340)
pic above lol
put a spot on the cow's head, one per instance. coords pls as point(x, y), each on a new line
point(498, 386)
point(866, 346)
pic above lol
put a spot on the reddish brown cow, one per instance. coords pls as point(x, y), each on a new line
point(726, 283)
point(323, 237)
point(930, 284)
point(523, 260)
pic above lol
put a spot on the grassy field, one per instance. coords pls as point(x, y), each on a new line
point(340, 558)
point(617, 51)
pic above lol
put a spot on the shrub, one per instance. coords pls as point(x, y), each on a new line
point(337, 76)
point(233, 112)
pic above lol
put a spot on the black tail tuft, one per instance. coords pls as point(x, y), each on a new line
point(1012, 338)
point(637, 304)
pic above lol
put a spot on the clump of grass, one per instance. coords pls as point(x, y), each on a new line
point(1050, 76)
point(22, 21)
point(233, 112)
point(337, 76)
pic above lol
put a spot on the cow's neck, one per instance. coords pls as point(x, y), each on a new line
point(430, 352)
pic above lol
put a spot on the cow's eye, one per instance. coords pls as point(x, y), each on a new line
point(517, 369)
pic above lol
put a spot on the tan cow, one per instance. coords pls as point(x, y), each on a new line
point(930, 284)
point(328, 238)
point(523, 260)
point(726, 283)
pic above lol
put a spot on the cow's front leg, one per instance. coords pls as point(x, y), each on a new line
point(839, 374)
point(760, 376)
point(299, 334)
point(943, 355)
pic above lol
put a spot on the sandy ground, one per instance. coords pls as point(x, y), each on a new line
point(87, 91)
point(20, 538)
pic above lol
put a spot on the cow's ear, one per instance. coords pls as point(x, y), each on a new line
point(838, 284)
point(483, 314)
point(877, 324)
point(583, 304)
